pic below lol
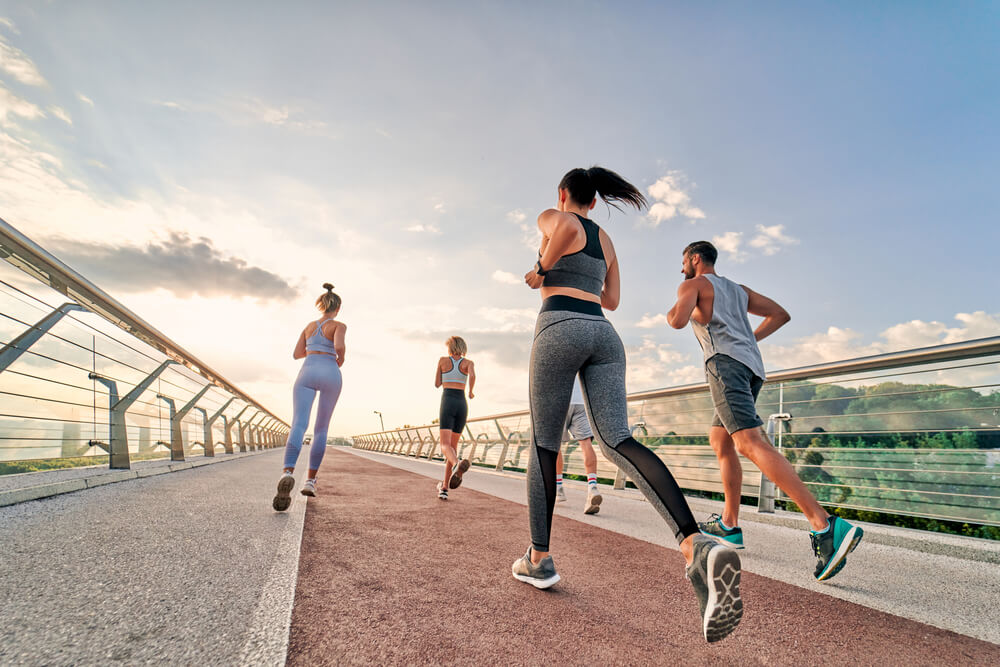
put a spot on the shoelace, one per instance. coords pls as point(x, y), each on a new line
point(815, 544)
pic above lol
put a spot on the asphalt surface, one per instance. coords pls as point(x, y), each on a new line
point(437, 566)
point(192, 567)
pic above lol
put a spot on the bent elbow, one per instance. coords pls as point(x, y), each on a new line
point(785, 317)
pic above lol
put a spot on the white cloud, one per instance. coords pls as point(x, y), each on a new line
point(730, 243)
point(506, 278)
point(771, 239)
point(168, 104)
point(652, 365)
point(420, 228)
point(61, 114)
point(670, 200)
point(531, 236)
point(652, 321)
point(517, 216)
point(83, 98)
point(14, 62)
point(7, 23)
point(440, 207)
point(97, 163)
point(12, 105)
point(839, 344)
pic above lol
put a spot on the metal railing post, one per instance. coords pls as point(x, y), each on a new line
point(176, 442)
point(118, 446)
point(434, 444)
point(506, 445)
point(235, 421)
point(766, 495)
point(210, 422)
point(10, 352)
point(176, 417)
point(409, 447)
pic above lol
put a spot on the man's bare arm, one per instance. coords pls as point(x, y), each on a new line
point(687, 298)
point(774, 315)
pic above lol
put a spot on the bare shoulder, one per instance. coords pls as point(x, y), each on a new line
point(607, 245)
point(467, 364)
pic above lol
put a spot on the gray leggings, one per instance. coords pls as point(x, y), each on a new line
point(574, 340)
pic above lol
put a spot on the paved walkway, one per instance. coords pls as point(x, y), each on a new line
point(391, 574)
point(193, 567)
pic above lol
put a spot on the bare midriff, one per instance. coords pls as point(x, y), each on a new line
point(311, 352)
point(569, 291)
point(454, 385)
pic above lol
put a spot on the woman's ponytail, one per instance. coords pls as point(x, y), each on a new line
point(584, 184)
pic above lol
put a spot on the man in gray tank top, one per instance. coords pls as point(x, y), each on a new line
point(717, 309)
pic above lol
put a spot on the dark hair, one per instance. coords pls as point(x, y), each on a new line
point(584, 184)
point(703, 249)
point(328, 301)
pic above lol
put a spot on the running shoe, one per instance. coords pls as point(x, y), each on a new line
point(832, 546)
point(456, 474)
point(732, 537)
point(560, 494)
point(594, 499)
point(283, 498)
point(309, 488)
point(442, 492)
point(542, 575)
point(715, 575)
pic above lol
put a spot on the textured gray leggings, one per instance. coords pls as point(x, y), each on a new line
point(567, 343)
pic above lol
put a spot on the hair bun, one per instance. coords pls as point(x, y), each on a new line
point(328, 287)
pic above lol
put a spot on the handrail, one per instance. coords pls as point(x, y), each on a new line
point(23, 253)
point(980, 347)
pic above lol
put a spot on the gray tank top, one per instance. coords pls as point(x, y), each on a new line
point(729, 332)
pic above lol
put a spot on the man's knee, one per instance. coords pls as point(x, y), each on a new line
point(750, 440)
point(720, 440)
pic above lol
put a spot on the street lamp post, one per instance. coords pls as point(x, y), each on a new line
point(380, 418)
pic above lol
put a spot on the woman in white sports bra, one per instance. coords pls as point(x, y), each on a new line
point(453, 372)
point(322, 346)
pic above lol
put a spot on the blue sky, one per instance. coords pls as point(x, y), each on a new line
point(843, 154)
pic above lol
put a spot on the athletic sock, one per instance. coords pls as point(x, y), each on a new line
point(723, 524)
point(829, 522)
point(558, 480)
point(592, 478)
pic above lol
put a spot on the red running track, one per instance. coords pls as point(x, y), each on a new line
point(390, 574)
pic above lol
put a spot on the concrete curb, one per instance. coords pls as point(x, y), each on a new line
point(943, 544)
point(40, 491)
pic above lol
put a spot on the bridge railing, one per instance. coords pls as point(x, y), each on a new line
point(83, 380)
point(914, 433)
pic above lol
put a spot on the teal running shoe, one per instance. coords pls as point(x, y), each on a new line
point(731, 537)
point(832, 546)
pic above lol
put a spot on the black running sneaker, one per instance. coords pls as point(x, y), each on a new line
point(715, 575)
point(832, 546)
point(456, 474)
point(732, 537)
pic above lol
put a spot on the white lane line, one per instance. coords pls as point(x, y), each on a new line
point(270, 623)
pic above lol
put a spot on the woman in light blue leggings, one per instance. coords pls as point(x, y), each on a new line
point(322, 346)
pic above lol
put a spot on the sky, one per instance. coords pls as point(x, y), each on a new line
point(212, 164)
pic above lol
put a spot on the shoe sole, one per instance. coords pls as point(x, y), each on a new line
point(308, 492)
point(537, 583)
point(725, 606)
point(283, 499)
point(849, 544)
point(723, 541)
point(593, 505)
point(456, 475)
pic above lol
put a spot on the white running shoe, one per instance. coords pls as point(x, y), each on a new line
point(560, 494)
point(442, 492)
point(594, 499)
point(309, 488)
point(283, 498)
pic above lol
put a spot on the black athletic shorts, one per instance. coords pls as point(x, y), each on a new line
point(454, 410)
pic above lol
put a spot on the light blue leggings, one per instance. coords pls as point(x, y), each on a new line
point(319, 373)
